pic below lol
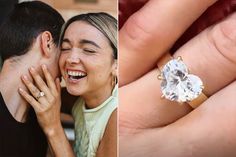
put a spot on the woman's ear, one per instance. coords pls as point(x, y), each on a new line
point(114, 68)
point(46, 43)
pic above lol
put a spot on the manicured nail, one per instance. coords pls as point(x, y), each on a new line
point(32, 69)
point(20, 89)
point(44, 67)
point(24, 77)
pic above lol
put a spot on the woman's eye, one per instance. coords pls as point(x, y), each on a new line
point(89, 50)
point(65, 49)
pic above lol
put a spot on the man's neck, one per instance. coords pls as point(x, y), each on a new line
point(10, 81)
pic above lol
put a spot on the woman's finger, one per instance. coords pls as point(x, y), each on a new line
point(49, 79)
point(34, 90)
point(210, 55)
point(40, 83)
point(197, 134)
point(31, 100)
point(58, 86)
point(151, 32)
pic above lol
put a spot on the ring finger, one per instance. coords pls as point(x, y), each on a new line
point(210, 55)
point(40, 83)
point(34, 90)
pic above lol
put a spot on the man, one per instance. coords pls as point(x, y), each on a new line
point(29, 36)
point(5, 7)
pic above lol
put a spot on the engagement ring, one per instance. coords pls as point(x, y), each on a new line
point(41, 94)
point(178, 85)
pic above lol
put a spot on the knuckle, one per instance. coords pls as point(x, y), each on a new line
point(136, 31)
point(34, 90)
point(52, 100)
point(30, 99)
point(223, 38)
point(43, 110)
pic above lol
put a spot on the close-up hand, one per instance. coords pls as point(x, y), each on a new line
point(44, 98)
point(153, 126)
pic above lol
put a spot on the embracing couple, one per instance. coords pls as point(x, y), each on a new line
point(37, 47)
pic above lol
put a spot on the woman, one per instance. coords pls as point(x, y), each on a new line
point(88, 64)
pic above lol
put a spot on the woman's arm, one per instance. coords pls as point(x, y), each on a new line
point(47, 109)
point(59, 143)
point(108, 144)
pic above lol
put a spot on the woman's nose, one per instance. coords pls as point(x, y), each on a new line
point(73, 60)
point(74, 57)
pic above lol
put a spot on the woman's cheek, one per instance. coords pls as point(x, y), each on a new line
point(62, 63)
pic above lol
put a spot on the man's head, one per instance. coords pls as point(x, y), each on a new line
point(31, 26)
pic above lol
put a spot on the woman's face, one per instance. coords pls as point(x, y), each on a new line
point(86, 60)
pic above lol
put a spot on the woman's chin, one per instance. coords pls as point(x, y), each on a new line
point(74, 91)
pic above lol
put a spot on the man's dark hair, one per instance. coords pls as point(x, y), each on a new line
point(22, 26)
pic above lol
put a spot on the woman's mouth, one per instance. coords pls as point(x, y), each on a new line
point(75, 75)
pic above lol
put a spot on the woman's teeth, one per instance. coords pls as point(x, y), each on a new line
point(76, 74)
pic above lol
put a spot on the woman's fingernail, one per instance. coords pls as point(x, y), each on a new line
point(32, 69)
point(44, 66)
point(24, 77)
point(20, 89)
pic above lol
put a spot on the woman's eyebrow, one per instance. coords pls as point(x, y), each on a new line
point(66, 40)
point(84, 41)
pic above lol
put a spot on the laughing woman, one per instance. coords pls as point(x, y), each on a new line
point(88, 64)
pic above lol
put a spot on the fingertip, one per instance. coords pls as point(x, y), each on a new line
point(20, 90)
point(24, 77)
point(32, 70)
point(44, 67)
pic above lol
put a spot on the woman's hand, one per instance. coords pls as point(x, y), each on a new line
point(151, 32)
point(47, 107)
point(151, 126)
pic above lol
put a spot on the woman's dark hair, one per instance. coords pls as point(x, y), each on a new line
point(104, 22)
point(24, 23)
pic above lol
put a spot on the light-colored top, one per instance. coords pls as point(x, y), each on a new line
point(90, 124)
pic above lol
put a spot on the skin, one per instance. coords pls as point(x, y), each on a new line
point(164, 128)
point(93, 59)
point(97, 62)
point(43, 51)
point(38, 54)
point(150, 38)
point(47, 109)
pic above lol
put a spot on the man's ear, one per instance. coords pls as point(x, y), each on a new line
point(46, 43)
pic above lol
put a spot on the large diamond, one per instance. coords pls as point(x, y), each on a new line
point(177, 84)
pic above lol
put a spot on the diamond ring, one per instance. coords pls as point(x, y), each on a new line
point(178, 85)
point(41, 94)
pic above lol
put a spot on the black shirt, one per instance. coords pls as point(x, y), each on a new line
point(20, 139)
